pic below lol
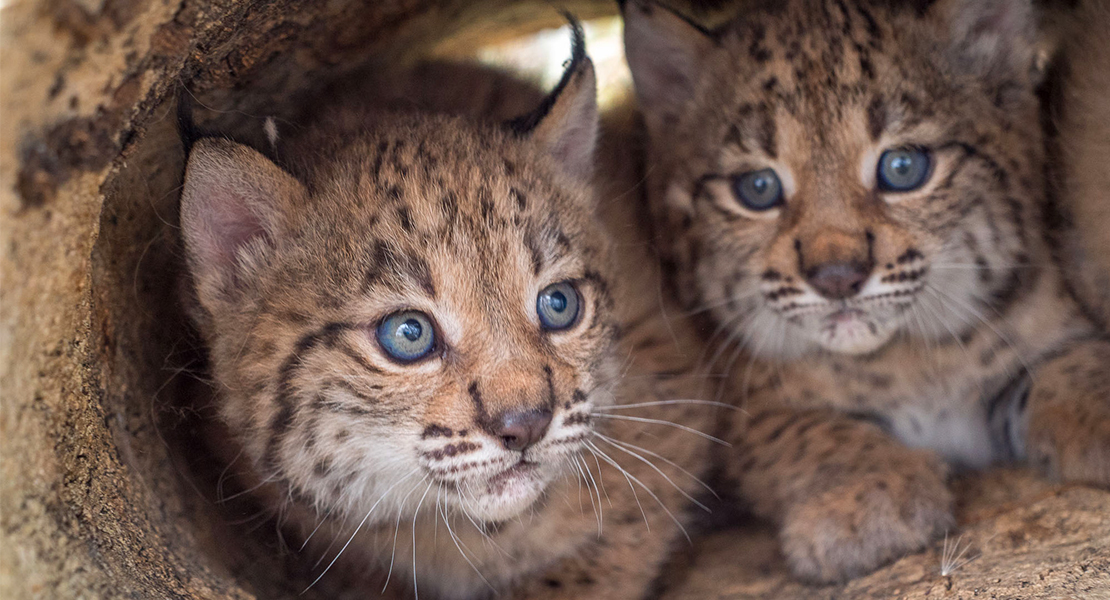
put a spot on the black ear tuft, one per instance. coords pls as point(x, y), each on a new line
point(565, 124)
point(524, 124)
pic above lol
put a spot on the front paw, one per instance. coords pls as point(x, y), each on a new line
point(853, 528)
point(1070, 447)
point(1068, 416)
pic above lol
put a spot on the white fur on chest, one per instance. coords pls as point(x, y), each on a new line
point(954, 427)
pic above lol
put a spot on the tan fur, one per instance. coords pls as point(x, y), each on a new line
point(387, 210)
point(1084, 141)
point(963, 313)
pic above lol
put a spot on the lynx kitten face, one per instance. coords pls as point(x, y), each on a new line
point(415, 318)
point(852, 171)
point(394, 331)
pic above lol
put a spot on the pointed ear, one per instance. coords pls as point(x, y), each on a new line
point(566, 123)
point(992, 39)
point(665, 53)
point(232, 208)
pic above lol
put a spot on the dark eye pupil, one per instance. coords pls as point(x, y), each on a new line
point(411, 329)
point(758, 190)
point(557, 306)
point(901, 165)
point(557, 301)
point(903, 170)
point(407, 336)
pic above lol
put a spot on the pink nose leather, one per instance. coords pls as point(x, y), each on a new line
point(519, 430)
point(838, 280)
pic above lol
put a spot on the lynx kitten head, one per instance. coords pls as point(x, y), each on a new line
point(829, 175)
point(409, 302)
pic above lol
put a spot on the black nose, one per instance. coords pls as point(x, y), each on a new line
point(518, 430)
point(838, 280)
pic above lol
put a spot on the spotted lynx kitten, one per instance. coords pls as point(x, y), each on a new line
point(427, 360)
point(854, 192)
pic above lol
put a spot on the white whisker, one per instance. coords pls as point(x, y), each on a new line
point(397, 530)
point(940, 318)
point(581, 477)
point(669, 402)
point(971, 310)
point(435, 521)
point(315, 529)
point(601, 479)
point(597, 507)
point(613, 462)
point(736, 327)
point(701, 434)
point(660, 472)
point(455, 539)
point(660, 457)
point(269, 479)
point(415, 513)
point(594, 450)
point(485, 536)
point(357, 529)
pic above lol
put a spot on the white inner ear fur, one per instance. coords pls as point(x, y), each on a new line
point(232, 202)
point(572, 136)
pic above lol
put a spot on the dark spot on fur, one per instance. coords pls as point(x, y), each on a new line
point(909, 255)
point(437, 431)
point(450, 205)
point(485, 204)
point(876, 117)
point(452, 450)
point(519, 197)
point(734, 138)
point(405, 218)
point(577, 419)
point(778, 431)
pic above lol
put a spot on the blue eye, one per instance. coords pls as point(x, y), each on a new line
point(407, 336)
point(903, 169)
point(557, 306)
point(758, 190)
